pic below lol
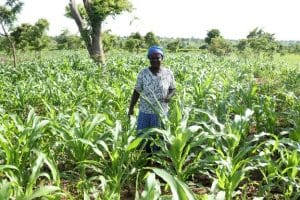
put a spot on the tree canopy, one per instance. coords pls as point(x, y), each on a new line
point(8, 15)
point(89, 18)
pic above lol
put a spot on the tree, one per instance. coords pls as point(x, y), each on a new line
point(151, 39)
point(33, 37)
point(8, 15)
point(220, 46)
point(216, 43)
point(132, 45)
point(38, 38)
point(2, 43)
point(173, 45)
point(213, 33)
point(134, 42)
point(295, 48)
point(19, 35)
point(89, 19)
point(68, 41)
point(242, 45)
point(261, 41)
point(109, 41)
point(62, 40)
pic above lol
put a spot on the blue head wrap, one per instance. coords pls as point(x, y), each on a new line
point(155, 49)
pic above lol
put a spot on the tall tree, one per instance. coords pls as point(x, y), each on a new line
point(134, 42)
point(109, 41)
point(261, 41)
point(8, 15)
point(39, 39)
point(151, 39)
point(213, 33)
point(19, 36)
point(66, 40)
point(219, 46)
point(174, 45)
point(89, 19)
point(27, 36)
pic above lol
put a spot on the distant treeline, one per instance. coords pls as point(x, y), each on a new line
point(257, 41)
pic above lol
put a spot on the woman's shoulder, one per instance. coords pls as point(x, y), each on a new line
point(166, 70)
point(144, 70)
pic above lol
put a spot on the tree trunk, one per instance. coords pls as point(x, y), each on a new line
point(14, 52)
point(92, 38)
point(12, 45)
point(97, 46)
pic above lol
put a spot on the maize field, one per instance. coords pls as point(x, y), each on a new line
point(233, 129)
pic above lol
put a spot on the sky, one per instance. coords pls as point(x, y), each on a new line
point(182, 18)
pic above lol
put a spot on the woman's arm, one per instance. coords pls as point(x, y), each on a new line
point(171, 93)
point(134, 98)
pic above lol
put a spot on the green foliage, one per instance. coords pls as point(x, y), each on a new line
point(24, 163)
point(232, 127)
point(179, 189)
point(134, 42)
point(242, 45)
point(151, 39)
point(8, 12)
point(295, 48)
point(8, 15)
point(2, 42)
point(220, 46)
point(100, 9)
point(20, 34)
point(38, 38)
point(32, 37)
point(216, 43)
point(68, 41)
point(280, 173)
point(211, 34)
point(173, 46)
point(89, 19)
point(260, 42)
point(152, 190)
point(109, 41)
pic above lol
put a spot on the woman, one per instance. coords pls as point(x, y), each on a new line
point(156, 86)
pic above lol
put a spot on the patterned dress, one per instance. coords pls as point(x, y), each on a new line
point(153, 89)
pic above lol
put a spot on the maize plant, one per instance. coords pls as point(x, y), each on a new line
point(232, 129)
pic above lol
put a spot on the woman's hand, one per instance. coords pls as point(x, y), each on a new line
point(166, 100)
point(130, 112)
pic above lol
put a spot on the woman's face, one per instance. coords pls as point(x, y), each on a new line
point(155, 60)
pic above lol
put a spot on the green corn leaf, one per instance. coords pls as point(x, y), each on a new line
point(42, 192)
point(53, 169)
point(103, 145)
point(152, 190)
point(35, 173)
point(134, 144)
point(180, 191)
point(96, 120)
point(2, 139)
point(5, 192)
point(90, 144)
point(41, 124)
point(3, 167)
point(235, 179)
point(30, 116)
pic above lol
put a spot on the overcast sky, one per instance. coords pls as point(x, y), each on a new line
point(183, 18)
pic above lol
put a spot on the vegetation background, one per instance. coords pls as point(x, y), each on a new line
point(233, 131)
